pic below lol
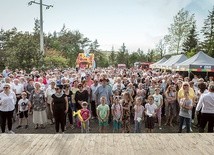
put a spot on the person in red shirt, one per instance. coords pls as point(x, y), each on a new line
point(86, 115)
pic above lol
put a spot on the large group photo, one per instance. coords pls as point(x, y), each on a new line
point(107, 77)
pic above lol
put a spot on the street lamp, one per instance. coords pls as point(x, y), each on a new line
point(41, 22)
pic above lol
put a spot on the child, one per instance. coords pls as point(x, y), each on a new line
point(103, 114)
point(185, 111)
point(117, 113)
point(158, 102)
point(138, 117)
point(86, 115)
point(150, 111)
point(23, 109)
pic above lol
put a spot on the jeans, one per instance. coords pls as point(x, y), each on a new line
point(187, 120)
point(138, 127)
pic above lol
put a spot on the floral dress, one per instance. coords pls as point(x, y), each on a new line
point(39, 107)
point(126, 117)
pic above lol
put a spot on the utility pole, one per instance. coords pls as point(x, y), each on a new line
point(41, 23)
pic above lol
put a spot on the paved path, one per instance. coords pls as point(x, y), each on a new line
point(107, 144)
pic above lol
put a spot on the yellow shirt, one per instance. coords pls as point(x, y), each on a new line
point(191, 94)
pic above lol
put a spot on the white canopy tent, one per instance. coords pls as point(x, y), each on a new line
point(172, 61)
point(155, 65)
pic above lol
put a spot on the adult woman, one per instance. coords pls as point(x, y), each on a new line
point(74, 89)
point(191, 95)
point(170, 104)
point(37, 99)
point(80, 96)
point(7, 105)
point(60, 107)
point(48, 94)
point(69, 94)
point(126, 103)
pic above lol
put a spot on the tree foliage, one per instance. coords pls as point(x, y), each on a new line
point(178, 31)
point(208, 33)
point(191, 42)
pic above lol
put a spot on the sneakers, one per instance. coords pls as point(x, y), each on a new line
point(160, 128)
point(190, 129)
point(11, 132)
point(18, 127)
point(184, 126)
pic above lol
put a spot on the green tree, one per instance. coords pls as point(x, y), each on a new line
point(112, 57)
point(151, 55)
point(208, 33)
point(133, 57)
point(161, 48)
point(123, 56)
point(141, 55)
point(191, 42)
point(179, 30)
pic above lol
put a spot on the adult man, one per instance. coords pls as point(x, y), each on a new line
point(103, 90)
point(206, 104)
point(93, 88)
point(18, 88)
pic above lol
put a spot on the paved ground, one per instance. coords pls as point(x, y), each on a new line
point(50, 129)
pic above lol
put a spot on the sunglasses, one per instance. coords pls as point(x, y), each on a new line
point(56, 88)
point(5, 87)
point(186, 85)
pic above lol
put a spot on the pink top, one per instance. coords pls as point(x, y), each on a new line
point(85, 113)
point(138, 111)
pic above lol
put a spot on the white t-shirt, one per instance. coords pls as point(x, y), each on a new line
point(23, 104)
point(150, 109)
point(157, 99)
point(18, 89)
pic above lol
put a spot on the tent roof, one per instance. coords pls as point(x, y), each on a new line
point(161, 61)
point(198, 59)
point(174, 60)
point(158, 62)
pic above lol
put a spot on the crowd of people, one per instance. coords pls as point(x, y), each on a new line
point(118, 97)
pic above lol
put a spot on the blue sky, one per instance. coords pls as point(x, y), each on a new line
point(137, 23)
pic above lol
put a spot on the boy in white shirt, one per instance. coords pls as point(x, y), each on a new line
point(150, 112)
point(23, 109)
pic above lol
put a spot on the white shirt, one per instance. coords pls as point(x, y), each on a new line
point(1, 86)
point(157, 99)
point(206, 102)
point(48, 93)
point(7, 102)
point(115, 86)
point(150, 109)
point(23, 104)
point(18, 89)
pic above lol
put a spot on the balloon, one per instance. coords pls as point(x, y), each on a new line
point(80, 117)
